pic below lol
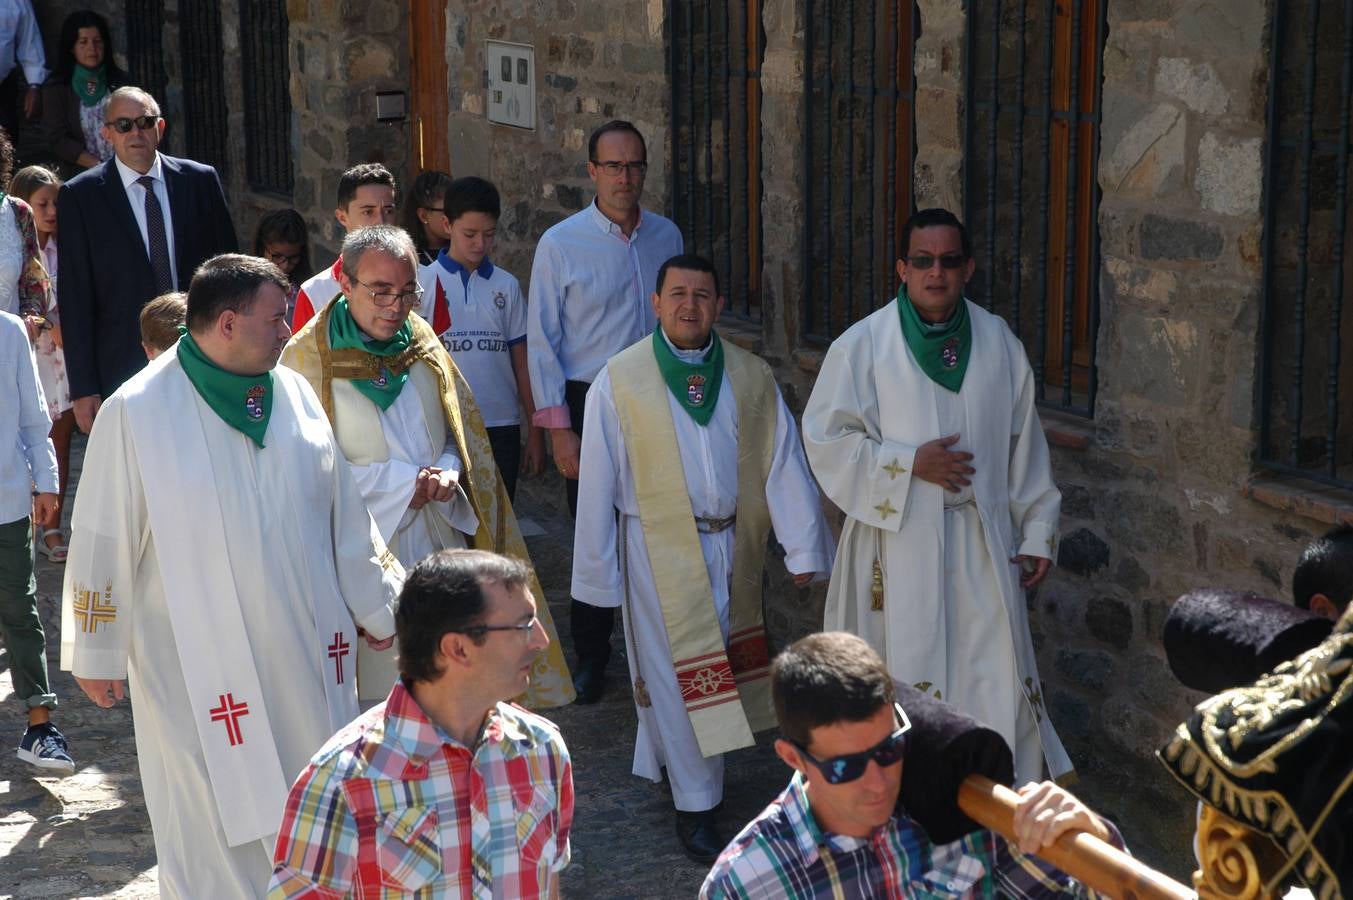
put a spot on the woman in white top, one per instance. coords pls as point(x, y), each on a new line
point(38, 187)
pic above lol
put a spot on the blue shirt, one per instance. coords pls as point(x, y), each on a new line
point(27, 458)
point(590, 298)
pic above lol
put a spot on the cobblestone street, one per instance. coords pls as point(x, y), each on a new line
point(88, 835)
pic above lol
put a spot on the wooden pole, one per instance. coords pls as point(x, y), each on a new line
point(1083, 856)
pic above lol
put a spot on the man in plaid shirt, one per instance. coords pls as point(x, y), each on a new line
point(837, 830)
point(445, 789)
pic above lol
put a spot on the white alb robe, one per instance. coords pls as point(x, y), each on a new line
point(708, 455)
point(297, 535)
point(411, 534)
point(954, 617)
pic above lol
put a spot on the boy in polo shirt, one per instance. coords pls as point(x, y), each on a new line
point(478, 312)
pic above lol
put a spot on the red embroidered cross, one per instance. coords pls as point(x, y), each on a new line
point(229, 712)
point(337, 650)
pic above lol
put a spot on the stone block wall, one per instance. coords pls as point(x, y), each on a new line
point(594, 62)
point(1155, 501)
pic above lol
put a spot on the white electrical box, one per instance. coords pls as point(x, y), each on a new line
point(512, 84)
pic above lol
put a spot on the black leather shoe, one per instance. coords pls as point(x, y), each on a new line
point(699, 836)
point(588, 683)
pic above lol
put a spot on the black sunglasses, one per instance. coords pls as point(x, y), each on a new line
point(124, 124)
point(948, 261)
point(887, 752)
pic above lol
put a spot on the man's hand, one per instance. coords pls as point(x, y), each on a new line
point(566, 446)
point(103, 691)
point(936, 463)
point(30, 102)
point(1031, 577)
point(804, 578)
point(1046, 812)
point(47, 510)
point(533, 460)
point(440, 485)
point(86, 408)
point(376, 643)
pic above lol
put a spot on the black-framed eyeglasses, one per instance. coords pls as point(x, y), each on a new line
point(887, 752)
point(526, 626)
point(433, 208)
point(142, 123)
point(283, 259)
point(390, 298)
point(947, 261)
point(613, 168)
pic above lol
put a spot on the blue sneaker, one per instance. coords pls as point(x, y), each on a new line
point(45, 747)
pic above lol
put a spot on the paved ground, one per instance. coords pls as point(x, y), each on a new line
point(88, 835)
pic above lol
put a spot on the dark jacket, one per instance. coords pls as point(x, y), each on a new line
point(104, 274)
point(56, 138)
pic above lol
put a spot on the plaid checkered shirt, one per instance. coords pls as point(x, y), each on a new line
point(391, 806)
point(783, 854)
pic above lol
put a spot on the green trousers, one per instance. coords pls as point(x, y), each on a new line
point(20, 625)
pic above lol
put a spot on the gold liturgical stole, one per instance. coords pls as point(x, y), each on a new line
point(726, 690)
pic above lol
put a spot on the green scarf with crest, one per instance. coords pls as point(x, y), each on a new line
point(695, 385)
point(940, 350)
point(244, 402)
point(345, 335)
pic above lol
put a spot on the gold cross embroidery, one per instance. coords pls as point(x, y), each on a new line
point(91, 609)
point(1035, 698)
point(885, 509)
point(894, 469)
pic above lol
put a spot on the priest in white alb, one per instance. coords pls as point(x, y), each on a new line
point(405, 419)
point(689, 458)
point(922, 429)
point(222, 563)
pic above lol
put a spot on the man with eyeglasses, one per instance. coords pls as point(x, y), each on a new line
point(922, 429)
point(220, 560)
point(132, 228)
point(589, 299)
point(408, 424)
point(839, 830)
point(446, 789)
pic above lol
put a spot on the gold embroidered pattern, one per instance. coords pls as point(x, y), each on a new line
point(1035, 698)
point(93, 608)
point(925, 686)
point(894, 469)
point(885, 509)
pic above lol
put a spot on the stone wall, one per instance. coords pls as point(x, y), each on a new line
point(594, 62)
point(1154, 499)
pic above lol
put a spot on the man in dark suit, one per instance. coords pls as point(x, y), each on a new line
point(133, 228)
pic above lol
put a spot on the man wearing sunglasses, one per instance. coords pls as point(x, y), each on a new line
point(446, 789)
point(133, 228)
point(922, 429)
point(408, 424)
point(838, 829)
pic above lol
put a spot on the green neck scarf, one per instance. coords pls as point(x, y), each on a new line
point(90, 85)
point(244, 402)
point(941, 352)
point(695, 385)
point(345, 335)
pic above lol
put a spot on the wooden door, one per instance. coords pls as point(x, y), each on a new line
point(428, 108)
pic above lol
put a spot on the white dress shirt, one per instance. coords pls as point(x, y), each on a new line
point(27, 458)
point(589, 299)
point(136, 196)
point(20, 39)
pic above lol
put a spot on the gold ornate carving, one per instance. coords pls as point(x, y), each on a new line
point(876, 590)
point(1236, 861)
